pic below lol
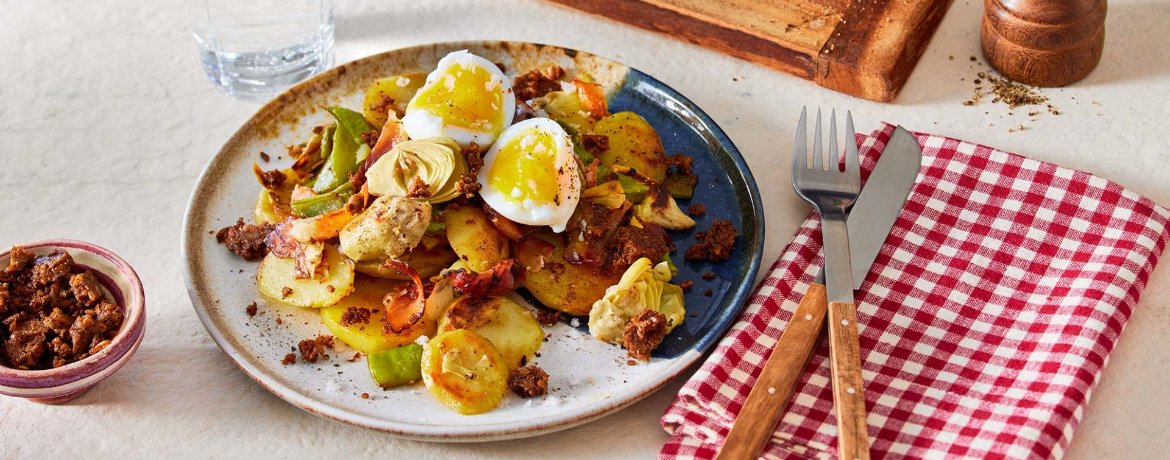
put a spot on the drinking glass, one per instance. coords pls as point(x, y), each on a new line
point(254, 49)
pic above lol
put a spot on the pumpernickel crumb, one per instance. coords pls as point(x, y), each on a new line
point(285, 292)
point(355, 357)
point(708, 276)
point(708, 293)
point(697, 209)
point(246, 240)
point(418, 189)
point(643, 334)
point(596, 144)
point(264, 156)
point(681, 162)
point(355, 315)
point(252, 309)
point(528, 381)
point(289, 359)
point(314, 349)
point(547, 317)
point(686, 285)
point(715, 244)
point(535, 83)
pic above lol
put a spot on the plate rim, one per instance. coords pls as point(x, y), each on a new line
point(448, 433)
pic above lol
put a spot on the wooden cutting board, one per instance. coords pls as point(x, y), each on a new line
point(866, 48)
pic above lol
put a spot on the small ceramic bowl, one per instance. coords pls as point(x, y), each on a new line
point(60, 385)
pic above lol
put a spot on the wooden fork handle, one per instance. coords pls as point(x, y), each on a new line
point(848, 394)
point(772, 391)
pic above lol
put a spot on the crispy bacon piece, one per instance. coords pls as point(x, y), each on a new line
point(532, 252)
point(590, 231)
point(510, 229)
point(392, 134)
point(498, 281)
point(406, 306)
point(280, 241)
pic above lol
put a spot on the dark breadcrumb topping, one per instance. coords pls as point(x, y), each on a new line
point(529, 381)
point(355, 315)
point(468, 183)
point(251, 309)
point(596, 144)
point(643, 334)
point(289, 359)
point(314, 349)
point(681, 162)
point(537, 83)
point(246, 240)
point(686, 285)
point(697, 209)
point(715, 244)
point(547, 317)
point(418, 189)
point(52, 312)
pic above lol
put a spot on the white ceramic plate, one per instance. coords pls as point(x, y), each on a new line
point(588, 378)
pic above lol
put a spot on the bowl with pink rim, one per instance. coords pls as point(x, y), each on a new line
point(123, 287)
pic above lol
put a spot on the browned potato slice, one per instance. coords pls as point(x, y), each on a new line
point(427, 262)
point(634, 143)
point(569, 288)
point(473, 237)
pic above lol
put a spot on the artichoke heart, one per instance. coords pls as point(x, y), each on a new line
point(387, 229)
point(436, 161)
point(660, 208)
point(642, 286)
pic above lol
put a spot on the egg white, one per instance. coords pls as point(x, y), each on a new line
point(553, 214)
point(420, 123)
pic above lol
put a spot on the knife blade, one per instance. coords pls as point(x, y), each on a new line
point(869, 222)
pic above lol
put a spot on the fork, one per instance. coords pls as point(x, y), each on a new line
point(831, 191)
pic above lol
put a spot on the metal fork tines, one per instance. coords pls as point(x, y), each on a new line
point(831, 191)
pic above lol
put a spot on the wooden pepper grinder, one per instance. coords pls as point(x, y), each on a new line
point(1043, 42)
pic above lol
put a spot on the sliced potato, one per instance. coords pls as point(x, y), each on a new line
point(366, 337)
point(634, 143)
point(474, 238)
point(427, 262)
point(562, 286)
point(399, 88)
point(371, 337)
point(277, 281)
point(464, 371)
point(510, 327)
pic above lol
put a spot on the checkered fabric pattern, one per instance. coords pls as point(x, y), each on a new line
point(985, 321)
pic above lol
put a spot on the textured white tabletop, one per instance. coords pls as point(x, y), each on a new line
point(106, 120)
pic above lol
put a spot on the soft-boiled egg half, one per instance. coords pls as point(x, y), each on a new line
point(466, 98)
point(530, 174)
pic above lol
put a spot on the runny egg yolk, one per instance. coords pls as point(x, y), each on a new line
point(464, 96)
point(525, 168)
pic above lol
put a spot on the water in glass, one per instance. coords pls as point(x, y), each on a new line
point(255, 49)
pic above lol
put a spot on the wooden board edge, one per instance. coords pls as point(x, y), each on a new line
point(698, 32)
point(852, 62)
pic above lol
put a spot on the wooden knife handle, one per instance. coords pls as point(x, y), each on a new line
point(772, 391)
point(848, 394)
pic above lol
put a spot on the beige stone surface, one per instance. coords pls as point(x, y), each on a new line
point(106, 120)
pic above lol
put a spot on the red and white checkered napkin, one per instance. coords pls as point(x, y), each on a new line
point(985, 321)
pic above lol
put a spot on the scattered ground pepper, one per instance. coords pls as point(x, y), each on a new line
point(528, 381)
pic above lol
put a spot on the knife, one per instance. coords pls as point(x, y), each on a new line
point(873, 215)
